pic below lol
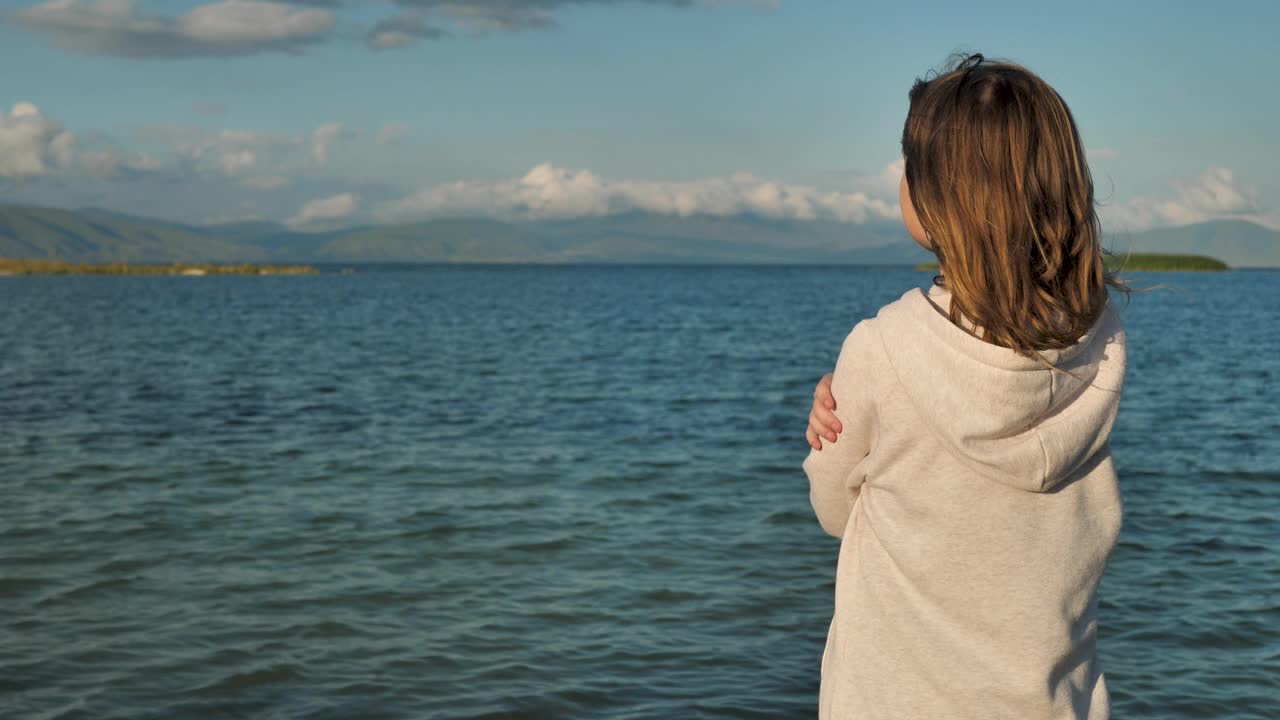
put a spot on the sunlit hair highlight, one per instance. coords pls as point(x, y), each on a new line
point(997, 173)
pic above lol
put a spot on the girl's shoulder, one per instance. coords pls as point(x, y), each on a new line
point(865, 341)
point(911, 308)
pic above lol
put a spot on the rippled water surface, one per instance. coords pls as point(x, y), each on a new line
point(544, 492)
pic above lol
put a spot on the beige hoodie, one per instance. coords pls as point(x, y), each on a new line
point(977, 504)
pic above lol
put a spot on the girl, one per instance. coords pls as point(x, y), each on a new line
point(971, 482)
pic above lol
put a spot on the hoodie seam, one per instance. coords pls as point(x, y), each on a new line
point(1044, 465)
point(1053, 384)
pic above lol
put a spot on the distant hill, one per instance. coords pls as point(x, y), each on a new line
point(94, 235)
point(464, 240)
point(1238, 243)
point(626, 238)
point(101, 236)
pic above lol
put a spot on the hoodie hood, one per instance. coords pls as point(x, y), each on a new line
point(1006, 416)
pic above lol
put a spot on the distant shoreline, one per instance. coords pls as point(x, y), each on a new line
point(60, 267)
point(10, 267)
point(1146, 262)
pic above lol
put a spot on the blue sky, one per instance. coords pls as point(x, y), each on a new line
point(332, 112)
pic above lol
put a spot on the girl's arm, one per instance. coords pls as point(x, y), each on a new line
point(834, 479)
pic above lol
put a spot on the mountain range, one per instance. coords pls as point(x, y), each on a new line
point(95, 235)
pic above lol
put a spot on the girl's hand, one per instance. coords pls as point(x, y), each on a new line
point(822, 419)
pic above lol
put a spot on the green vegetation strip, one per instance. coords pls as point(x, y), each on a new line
point(1157, 261)
point(1142, 262)
point(60, 267)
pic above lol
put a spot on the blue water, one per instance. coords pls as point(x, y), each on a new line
point(544, 492)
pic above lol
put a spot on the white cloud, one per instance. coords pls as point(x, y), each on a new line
point(1102, 153)
point(231, 152)
point(237, 161)
point(548, 191)
point(110, 162)
point(259, 160)
point(252, 24)
point(882, 184)
point(485, 16)
point(32, 144)
point(890, 178)
point(335, 207)
point(496, 17)
point(230, 27)
point(402, 30)
point(121, 28)
point(325, 137)
point(390, 39)
point(235, 151)
point(1215, 194)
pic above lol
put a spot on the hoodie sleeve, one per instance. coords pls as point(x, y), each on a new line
point(834, 483)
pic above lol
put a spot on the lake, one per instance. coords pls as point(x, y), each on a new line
point(545, 492)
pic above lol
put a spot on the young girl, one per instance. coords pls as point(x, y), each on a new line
point(971, 482)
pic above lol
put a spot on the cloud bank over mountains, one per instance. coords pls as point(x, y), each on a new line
point(1216, 194)
point(548, 191)
point(325, 210)
point(275, 168)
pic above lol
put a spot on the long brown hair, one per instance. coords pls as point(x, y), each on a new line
point(997, 173)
